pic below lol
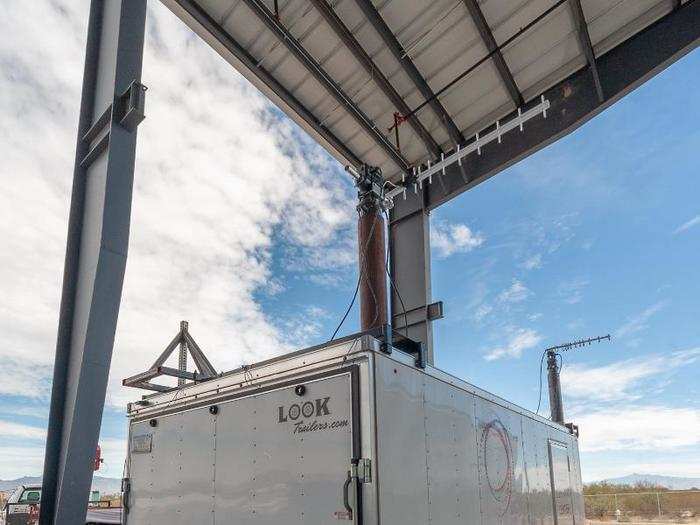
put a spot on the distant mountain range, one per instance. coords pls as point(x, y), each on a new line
point(670, 482)
point(104, 485)
point(113, 485)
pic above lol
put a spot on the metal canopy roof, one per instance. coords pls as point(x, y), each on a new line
point(343, 69)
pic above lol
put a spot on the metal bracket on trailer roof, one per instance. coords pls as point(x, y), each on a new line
point(392, 339)
point(205, 369)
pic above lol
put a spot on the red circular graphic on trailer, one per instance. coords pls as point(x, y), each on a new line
point(497, 455)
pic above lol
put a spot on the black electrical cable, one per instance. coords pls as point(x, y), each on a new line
point(539, 397)
point(393, 284)
point(357, 287)
point(347, 312)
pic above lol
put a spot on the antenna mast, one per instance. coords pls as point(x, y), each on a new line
point(556, 405)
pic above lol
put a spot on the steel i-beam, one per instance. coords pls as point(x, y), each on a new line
point(98, 234)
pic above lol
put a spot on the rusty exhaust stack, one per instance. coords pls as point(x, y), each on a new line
point(372, 260)
point(371, 239)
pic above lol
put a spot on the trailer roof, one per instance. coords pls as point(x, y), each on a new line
point(343, 68)
point(248, 380)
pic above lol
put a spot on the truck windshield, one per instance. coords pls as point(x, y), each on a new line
point(31, 496)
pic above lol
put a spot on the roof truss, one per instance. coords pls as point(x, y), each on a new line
point(496, 54)
point(268, 18)
point(585, 40)
point(409, 68)
point(573, 101)
point(375, 73)
point(342, 139)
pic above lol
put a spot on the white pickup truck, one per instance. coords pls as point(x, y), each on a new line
point(22, 508)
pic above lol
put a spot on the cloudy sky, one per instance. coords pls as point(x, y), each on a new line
point(244, 227)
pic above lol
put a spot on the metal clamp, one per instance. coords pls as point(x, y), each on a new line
point(128, 111)
point(133, 103)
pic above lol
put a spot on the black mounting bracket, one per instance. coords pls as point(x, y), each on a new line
point(371, 186)
point(573, 429)
point(390, 339)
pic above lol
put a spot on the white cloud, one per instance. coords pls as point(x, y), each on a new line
point(605, 383)
point(615, 382)
point(533, 262)
point(450, 238)
point(516, 293)
point(8, 429)
point(520, 340)
point(39, 410)
point(571, 292)
point(25, 375)
point(687, 225)
point(112, 451)
point(533, 239)
point(638, 322)
point(218, 175)
point(27, 458)
point(639, 428)
point(604, 408)
point(19, 461)
point(482, 311)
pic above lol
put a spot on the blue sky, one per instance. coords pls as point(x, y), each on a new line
point(599, 233)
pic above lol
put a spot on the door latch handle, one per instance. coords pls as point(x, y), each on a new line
point(346, 494)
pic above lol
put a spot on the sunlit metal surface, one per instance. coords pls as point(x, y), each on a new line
point(442, 40)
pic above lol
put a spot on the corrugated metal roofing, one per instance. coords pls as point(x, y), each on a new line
point(442, 40)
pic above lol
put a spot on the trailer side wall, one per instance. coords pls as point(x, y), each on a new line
point(446, 455)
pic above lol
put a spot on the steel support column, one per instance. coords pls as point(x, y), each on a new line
point(98, 235)
point(409, 250)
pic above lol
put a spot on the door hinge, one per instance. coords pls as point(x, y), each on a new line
point(364, 470)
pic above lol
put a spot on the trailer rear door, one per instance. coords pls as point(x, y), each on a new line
point(560, 472)
point(278, 456)
point(283, 455)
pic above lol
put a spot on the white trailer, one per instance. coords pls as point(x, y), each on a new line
point(346, 432)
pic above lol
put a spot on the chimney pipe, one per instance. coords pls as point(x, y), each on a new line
point(371, 247)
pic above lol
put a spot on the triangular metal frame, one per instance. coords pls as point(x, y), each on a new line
point(205, 370)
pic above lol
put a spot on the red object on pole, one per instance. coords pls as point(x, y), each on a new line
point(372, 259)
point(98, 458)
